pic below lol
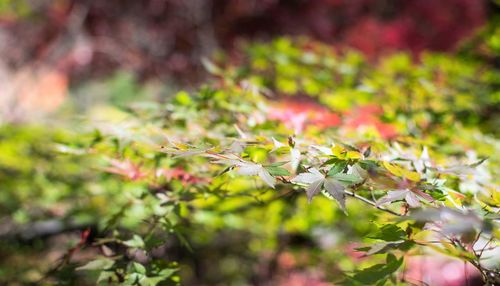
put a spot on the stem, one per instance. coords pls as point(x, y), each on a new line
point(484, 248)
point(367, 201)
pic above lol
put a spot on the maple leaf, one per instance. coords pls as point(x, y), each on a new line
point(408, 195)
point(316, 181)
point(246, 168)
point(180, 150)
point(358, 171)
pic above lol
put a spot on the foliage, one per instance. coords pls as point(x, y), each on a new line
point(406, 164)
point(466, 88)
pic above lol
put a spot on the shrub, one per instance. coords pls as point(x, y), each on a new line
point(398, 160)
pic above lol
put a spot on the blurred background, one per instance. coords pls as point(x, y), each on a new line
point(63, 44)
point(61, 59)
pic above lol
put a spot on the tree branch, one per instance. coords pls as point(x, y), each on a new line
point(367, 201)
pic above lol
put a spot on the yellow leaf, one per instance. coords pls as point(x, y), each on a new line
point(180, 146)
point(260, 138)
point(337, 151)
point(495, 196)
point(217, 149)
point(422, 235)
point(353, 155)
point(410, 175)
point(393, 169)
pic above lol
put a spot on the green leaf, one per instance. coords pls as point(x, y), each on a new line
point(135, 242)
point(378, 272)
point(347, 178)
point(438, 194)
point(382, 247)
point(159, 270)
point(368, 164)
point(102, 263)
point(277, 164)
point(337, 168)
point(387, 246)
point(183, 240)
point(165, 273)
point(105, 277)
point(153, 281)
point(277, 171)
point(183, 98)
point(389, 232)
point(139, 268)
point(135, 279)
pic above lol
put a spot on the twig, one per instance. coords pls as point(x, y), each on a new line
point(367, 201)
point(484, 248)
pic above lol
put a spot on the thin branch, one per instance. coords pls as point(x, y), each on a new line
point(486, 245)
point(372, 203)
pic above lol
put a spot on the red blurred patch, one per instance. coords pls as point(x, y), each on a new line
point(84, 236)
point(127, 169)
point(369, 116)
point(297, 115)
point(181, 175)
point(409, 28)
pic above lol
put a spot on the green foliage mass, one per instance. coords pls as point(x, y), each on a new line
point(213, 173)
point(436, 87)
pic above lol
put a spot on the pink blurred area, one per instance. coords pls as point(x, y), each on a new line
point(31, 92)
point(441, 270)
point(298, 115)
point(432, 269)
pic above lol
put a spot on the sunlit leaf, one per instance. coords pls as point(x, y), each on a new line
point(101, 263)
point(410, 175)
point(135, 242)
point(266, 177)
point(277, 171)
point(393, 169)
point(353, 155)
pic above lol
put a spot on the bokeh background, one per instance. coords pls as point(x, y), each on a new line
point(77, 41)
